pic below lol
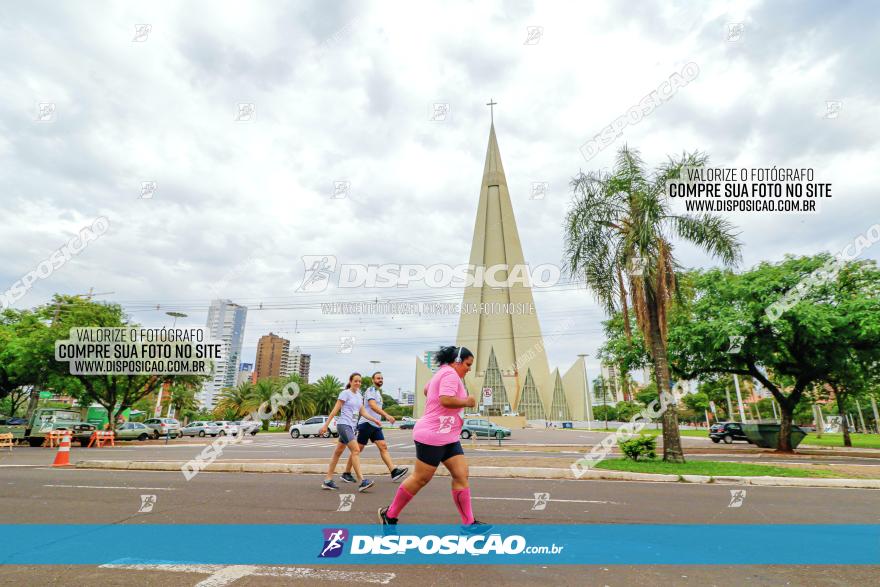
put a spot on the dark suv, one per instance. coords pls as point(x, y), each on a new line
point(728, 432)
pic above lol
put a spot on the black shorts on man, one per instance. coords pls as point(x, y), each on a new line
point(367, 432)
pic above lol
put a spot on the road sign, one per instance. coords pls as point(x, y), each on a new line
point(487, 396)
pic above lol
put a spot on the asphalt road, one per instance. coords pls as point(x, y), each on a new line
point(526, 443)
point(35, 494)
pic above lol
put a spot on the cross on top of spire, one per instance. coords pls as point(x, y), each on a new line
point(491, 104)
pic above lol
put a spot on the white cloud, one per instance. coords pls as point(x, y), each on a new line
point(343, 92)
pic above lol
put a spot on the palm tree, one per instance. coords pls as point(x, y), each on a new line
point(262, 392)
point(235, 399)
point(325, 392)
point(183, 396)
point(302, 406)
point(620, 224)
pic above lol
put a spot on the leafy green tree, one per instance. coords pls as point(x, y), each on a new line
point(790, 351)
point(618, 237)
point(606, 413)
point(13, 403)
point(626, 410)
point(647, 394)
point(624, 348)
point(115, 393)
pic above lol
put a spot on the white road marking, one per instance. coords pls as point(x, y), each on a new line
point(227, 575)
point(20, 465)
point(560, 500)
point(263, 571)
point(113, 487)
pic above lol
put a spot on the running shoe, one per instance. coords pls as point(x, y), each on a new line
point(329, 484)
point(365, 484)
point(399, 473)
point(384, 519)
point(348, 478)
point(477, 527)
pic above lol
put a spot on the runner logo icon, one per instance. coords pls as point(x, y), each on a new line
point(334, 541)
point(446, 423)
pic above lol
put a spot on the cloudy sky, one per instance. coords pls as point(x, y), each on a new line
point(345, 92)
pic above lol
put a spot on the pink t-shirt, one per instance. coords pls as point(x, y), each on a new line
point(441, 425)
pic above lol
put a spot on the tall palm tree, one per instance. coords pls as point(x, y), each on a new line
point(325, 391)
point(183, 396)
point(236, 399)
point(302, 406)
point(262, 392)
point(620, 225)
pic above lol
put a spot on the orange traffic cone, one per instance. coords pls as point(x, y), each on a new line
point(62, 457)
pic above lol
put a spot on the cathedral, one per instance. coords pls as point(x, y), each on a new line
point(509, 353)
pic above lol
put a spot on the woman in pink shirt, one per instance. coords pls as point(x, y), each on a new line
point(436, 436)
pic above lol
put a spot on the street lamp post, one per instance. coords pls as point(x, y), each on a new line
point(176, 315)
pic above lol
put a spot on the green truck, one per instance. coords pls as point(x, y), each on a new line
point(47, 419)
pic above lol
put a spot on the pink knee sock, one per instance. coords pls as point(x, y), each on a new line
point(401, 498)
point(462, 499)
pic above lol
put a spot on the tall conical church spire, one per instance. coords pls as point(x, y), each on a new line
point(514, 337)
point(498, 321)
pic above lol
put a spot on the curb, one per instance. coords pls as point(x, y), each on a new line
point(503, 472)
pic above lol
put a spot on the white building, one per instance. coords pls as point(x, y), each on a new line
point(226, 322)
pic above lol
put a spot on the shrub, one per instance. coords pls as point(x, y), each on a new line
point(641, 446)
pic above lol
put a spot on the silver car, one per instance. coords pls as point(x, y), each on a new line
point(227, 427)
point(200, 429)
point(163, 427)
point(248, 427)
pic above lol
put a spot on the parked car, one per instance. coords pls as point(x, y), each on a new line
point(164, 427)
point(312, 427)
point(200, 428)
point(227, 427)
point(248, 427)
point(483, 428)
point(407, 424)
point(728, 432)
point(133, 431)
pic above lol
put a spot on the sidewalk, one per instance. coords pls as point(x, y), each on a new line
point(317, 468)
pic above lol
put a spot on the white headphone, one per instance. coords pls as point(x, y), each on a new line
point(458, 357)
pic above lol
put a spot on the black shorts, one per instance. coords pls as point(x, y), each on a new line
point(434, 455)
point(368, 432)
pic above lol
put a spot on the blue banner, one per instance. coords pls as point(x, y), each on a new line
point(524, 544)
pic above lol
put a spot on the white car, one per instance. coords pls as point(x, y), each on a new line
point(226, 427)
point(200, 429)
point(312, 427)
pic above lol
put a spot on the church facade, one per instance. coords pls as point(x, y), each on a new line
point(508, 347)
